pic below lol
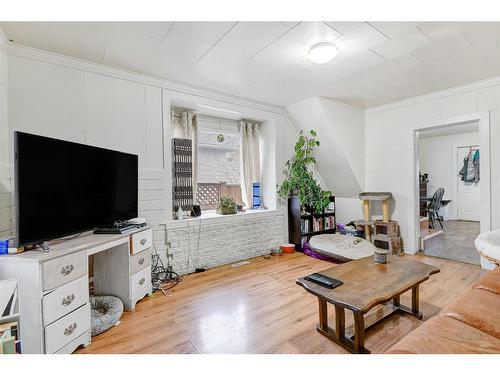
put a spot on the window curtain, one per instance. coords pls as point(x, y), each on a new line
point(250, 160)
point(185, 125)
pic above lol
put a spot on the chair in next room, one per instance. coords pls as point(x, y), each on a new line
point(434, 206)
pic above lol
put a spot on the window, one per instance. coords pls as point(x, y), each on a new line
point(218, 164)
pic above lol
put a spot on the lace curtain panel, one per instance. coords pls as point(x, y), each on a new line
point(250, 160)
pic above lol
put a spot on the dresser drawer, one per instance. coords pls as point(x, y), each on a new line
point(141, 241)
point(65, 330)
point(140, 280)
point(62, 270)
point(140, 261)
point(65, 299)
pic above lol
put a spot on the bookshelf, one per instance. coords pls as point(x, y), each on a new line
point(302, 224)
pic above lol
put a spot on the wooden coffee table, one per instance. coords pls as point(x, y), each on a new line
point(366, 285)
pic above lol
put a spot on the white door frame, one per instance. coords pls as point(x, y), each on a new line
point(485, 188)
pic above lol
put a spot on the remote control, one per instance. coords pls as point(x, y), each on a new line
point(323, 280)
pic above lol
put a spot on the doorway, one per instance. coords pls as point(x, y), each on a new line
point(449, 198)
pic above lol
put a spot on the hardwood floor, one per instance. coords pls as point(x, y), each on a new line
point(457, 242)
point(258, 308)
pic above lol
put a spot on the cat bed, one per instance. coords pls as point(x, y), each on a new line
point(105, 312)
point(339, 247)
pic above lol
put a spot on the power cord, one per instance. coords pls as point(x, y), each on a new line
point(162, 278)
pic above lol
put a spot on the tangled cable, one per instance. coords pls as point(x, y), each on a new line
point(161, 277)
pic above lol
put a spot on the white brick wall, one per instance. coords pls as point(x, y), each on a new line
point(152, 190)
point(213, 242)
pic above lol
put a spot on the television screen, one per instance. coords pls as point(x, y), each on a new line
point(63, 188)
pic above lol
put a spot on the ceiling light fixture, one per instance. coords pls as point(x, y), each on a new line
point(323, 52)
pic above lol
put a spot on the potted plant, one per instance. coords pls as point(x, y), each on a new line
point(299, 181)
point(227, 206)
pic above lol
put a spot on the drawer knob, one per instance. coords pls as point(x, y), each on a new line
point(141, 281)
point(66, 270)
point(67, 301)
point(69, 330)
point(143, 241)
point(141, 261)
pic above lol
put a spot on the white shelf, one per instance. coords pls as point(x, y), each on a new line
point(10, 318)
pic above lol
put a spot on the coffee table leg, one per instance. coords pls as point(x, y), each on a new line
point(339, 323)
point(396, 301)
point(359, 332)
point(323, 314)
point(415, 300)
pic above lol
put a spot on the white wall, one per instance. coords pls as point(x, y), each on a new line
point(437, 158)
point(389, 143)
point(348, 124)
point(79, 106)
point(72, 104)
point(340, 156)
point(347, 210)
point(90, 103)
point(5, 170)
point(340, 129)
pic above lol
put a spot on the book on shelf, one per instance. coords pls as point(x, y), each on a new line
point(331, 222)
point(8, 343)
point(304, 226)
point(318, 224)
point(11, 327)
point(9, 338)
point(331, 207)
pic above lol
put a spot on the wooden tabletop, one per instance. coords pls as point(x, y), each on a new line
point(367, 284)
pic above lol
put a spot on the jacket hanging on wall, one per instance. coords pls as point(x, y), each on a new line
point(470, 170)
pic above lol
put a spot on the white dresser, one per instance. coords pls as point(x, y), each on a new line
point(54, 285)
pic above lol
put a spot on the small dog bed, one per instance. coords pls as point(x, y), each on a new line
point(338, 247)
point(105, 312)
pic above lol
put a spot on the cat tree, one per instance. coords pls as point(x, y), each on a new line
point(384, 233)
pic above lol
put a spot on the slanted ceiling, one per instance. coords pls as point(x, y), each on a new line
point(340, 129)
point(379, 62)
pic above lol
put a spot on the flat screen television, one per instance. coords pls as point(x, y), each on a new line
point(63, 188)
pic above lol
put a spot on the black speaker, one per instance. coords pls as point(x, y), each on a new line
point(196, 210)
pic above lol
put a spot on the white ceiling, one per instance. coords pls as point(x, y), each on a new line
point(379, 62)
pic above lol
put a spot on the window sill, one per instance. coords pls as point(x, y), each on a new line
point(215, 217)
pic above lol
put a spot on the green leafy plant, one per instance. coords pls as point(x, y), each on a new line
point(227, 206)
point(299, 179)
